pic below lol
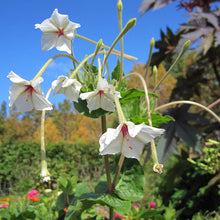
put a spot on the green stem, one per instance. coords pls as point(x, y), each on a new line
point(111, 213)
point(107, 166)
point(72, 53)
point(107, 70)
point(128, 26)
point(99, 44)
point(118, 106)
point(152, 42)
point(120, 6)
point(120, 163)
point(185, 48)
point(190, 103)
point(131, 58)
point(41, 71)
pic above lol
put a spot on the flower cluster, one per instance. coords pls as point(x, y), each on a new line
point(32, 195)
point(127, 138)
point(4, 205)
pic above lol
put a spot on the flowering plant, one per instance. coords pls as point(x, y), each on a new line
point(95, 96)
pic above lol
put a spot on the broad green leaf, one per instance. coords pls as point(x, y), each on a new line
point(63, 183)
point(116, 71)
point(157, 119)
point(132, 94)
point(131, 181)
point(81, 188)
point(61, 202)
point(88, 200)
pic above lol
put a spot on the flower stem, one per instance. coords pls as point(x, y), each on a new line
point(190, 103)
point(152, 43)
point(184, 49)
point(118, 106)
point(99, 44)
point(120, 163)
point(128, 26)
point(120, 6)
point(111, 213)
point(41, 71)
point(131, 58)
point(107, 166)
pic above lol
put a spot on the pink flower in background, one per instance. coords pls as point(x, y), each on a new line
point(135, 206)
point(5, 205)
point(116, 215)
point(32, 194)
point(152, 205)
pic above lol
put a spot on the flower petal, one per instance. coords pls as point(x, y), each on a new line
point(46, 26)
point(48, 41)
point(64, 44)
point(23, 104)
point(17, 79)
point(107, 104)
point(15, 91)
point(87, 95)
point(147, 133)
point(93, 103)
point(131, 148)
point(59, 19)
point(57, 84)
point(71, 93)
point(110, 142)
point(102, 84)
point(40, 102)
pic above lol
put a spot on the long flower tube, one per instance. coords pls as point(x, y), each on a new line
point(45, 175)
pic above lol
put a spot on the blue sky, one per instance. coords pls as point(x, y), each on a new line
point(20, 42)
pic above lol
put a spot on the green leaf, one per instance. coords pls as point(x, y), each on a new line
point(88, 200)
point(146, 214)
point(116, 71)
point(157, 119)
point(81, 107)
point(4, 213)
point(63, 183)
point(132, 94)
point(24, 216)
point(131, 181)
point(81, 189)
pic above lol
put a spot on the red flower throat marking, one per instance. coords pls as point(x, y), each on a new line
point(124, 131)
point(60, 32)
point(29, 89)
